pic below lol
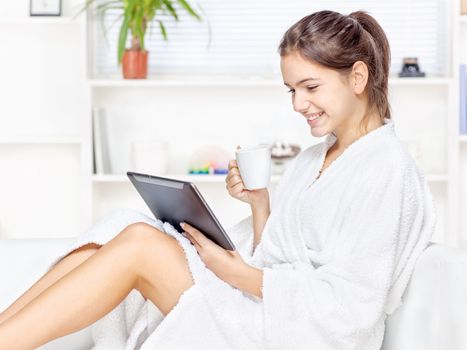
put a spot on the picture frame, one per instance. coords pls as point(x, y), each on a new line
point(45, 7)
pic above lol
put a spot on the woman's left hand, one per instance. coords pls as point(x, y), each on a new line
point(226, 264)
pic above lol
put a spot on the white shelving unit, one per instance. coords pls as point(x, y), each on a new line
point(97, 192)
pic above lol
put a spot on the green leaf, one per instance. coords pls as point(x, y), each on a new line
point(171, 9)
point(102, 21)
point(113, 3)
point(119, 17)
point(84, 8)
point(104, 29)
point(208, 26)
point(122, 37)
point(140, 34)
point(163, 30)
point(188, 8)
point(137, 16)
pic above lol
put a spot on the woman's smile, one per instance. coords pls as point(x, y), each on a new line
point(314, 118)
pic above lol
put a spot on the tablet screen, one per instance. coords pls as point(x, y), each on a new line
point(174, 201)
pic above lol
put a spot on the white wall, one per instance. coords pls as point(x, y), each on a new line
point(42, 96)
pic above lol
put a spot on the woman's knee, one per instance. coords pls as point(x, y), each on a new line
point(143, 237)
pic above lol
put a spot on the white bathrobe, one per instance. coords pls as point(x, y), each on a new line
point(337, 253)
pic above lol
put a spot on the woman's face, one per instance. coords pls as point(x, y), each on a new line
point(323, 96)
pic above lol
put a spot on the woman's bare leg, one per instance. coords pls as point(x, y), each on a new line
point(61, 268)
point(135, 258)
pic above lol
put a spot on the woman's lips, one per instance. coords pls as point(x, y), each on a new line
point(314, 118)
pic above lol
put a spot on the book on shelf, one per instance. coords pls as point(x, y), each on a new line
point(101, 156)
point(463, 99)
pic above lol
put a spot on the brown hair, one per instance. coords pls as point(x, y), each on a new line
point(338, 41)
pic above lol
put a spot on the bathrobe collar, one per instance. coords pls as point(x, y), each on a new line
point(387, 127)
point(363, 144)
point(359, 145)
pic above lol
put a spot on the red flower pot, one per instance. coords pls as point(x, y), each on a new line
point(135, 64)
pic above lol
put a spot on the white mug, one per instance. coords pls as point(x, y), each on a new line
point(254, 164)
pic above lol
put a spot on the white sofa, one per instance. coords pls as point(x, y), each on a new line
point(433, 314)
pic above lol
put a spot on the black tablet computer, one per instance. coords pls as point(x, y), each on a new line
point(178, 201)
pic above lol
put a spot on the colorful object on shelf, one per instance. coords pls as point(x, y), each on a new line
point(210, 160)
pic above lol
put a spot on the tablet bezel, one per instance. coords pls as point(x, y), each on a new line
point(224, 240)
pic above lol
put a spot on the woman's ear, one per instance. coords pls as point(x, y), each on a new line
point(359, 77)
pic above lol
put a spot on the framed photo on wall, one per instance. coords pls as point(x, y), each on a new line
point(45, 7)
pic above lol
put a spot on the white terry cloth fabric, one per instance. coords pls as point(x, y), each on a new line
point(337, 253)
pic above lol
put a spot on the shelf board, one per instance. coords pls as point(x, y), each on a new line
point(39, 140)
point(116, 178)
point(40, 20)
point(425, 81)
point(189, 82)
point(232, 82)
point(463, 138)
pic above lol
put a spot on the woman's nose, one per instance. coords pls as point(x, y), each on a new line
point(300, 104)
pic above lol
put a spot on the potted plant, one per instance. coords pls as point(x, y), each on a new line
point(136, 16)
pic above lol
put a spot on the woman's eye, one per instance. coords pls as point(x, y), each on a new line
point(309, 88)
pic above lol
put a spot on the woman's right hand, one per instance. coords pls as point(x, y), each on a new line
point(238, 191)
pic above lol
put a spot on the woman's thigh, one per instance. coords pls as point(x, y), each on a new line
point(162, 267)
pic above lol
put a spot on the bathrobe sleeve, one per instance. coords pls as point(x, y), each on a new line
point(339, 305)
point(242, 233)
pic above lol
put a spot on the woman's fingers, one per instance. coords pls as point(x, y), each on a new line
point(234, 182)
point(197, 237)
point(235, 179)
point(191, 239)
point(237, 189)
point(231, 173)
point(233, 168)
point(232, 164)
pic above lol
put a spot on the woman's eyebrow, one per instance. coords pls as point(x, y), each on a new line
point(301, 81)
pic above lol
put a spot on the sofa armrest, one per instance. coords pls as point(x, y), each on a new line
point(22, 263)
point(433, 313)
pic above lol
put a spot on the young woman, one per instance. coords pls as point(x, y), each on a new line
point(321, 268)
